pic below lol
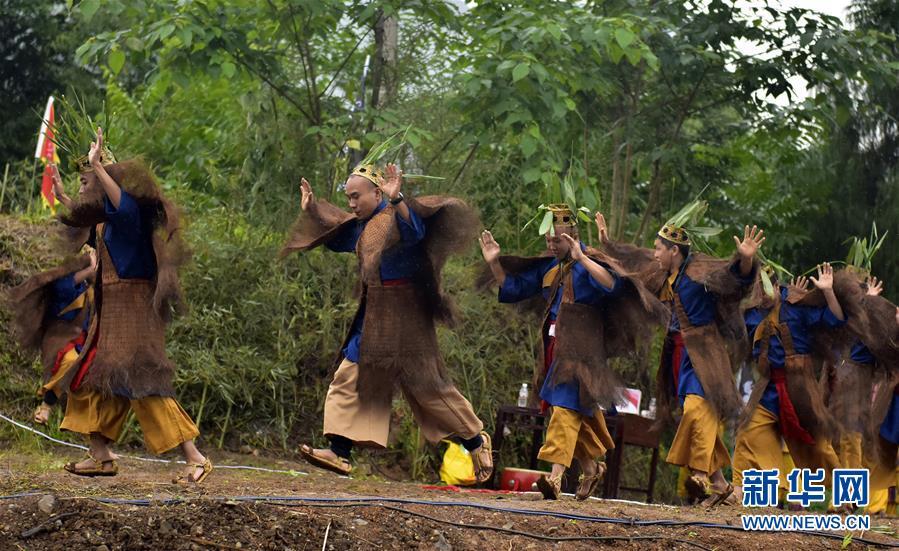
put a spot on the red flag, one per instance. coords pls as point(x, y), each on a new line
point(46, 152)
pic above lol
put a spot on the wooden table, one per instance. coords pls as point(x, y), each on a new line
point(626, 430)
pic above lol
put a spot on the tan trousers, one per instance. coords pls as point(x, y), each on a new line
point(64, 366)
point(758, 446)
point(572, 435)
point(697, 443)
point(439, 413)
point(164, 424)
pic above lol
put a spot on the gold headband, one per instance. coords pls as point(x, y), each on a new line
point(371, 173)
point(562, 215)
point(676, 235)
point(83, 163)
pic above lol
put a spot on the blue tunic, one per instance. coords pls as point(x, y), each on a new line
point(801, 320)
point(128, 236)
point(889, 430)
point(401, 262)
point(860, 354)
point(587, 290)
point(700, 306)
point(64, 292)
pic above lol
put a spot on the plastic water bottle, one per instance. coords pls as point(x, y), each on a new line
point(523, 396)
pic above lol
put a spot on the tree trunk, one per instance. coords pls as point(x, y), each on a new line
point(652, 205)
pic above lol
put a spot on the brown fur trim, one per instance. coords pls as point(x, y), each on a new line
point(321, 223)
point(879, 450)
point(881, 332)
point(850, 393)
point(29, 302)
point(712, 364)
point(452, 228)
point(399, 342)
point(805, 393)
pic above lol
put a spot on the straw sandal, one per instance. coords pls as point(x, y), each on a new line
point(340, 465)
point(98, 469)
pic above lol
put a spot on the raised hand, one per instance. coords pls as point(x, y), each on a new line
point(393, 181)
point(575, 248)
point(800, 282)
point(875, 286)
point(489, 247)
point(824, 281)
point(753, 238)
point(96, 149)
point(94, 262)
point(308, 198)
point(602, 227)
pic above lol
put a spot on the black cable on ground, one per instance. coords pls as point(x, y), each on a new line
point(487, 527)
point(382, 500)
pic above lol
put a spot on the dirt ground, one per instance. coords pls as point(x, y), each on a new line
point(61, 511)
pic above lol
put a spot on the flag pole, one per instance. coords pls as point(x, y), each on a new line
point(3, 189)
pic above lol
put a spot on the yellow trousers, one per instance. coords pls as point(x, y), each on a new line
point(883, 471)
point(758, 446)
point(162, 420)
point(572, 435)
point(850, 451)
point(65, 365)
point(697, 443)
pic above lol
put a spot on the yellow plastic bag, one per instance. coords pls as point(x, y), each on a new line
point(457, 468)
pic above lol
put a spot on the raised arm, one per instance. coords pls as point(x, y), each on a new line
point(824, 282)
point(110, 187)
point(596, 271)
point(88, 272)
point(747, 248)
point(490, 249)
point(58, 191)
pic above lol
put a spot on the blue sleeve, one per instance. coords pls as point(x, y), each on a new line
point(64, 288)
point(344, 241)
point(126, 218)
point(752, 318)
point(823, 316)
point(522, 286)
point(411, 231)
point(65, 291)
point(600, 288)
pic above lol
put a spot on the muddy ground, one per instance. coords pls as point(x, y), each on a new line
point(371, 513)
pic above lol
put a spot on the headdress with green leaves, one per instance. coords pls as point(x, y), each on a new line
point(74, 130)
point(560, 208)
point(863, 249)
point(684, 227)
point(387, 151)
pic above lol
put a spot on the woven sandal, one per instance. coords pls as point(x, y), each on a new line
point(482, 459)
point(698, 488)
point(550, 486)
point(340, 465)
point(189, 477)
point(718, 497)
point(587, 484)
point(97, 470)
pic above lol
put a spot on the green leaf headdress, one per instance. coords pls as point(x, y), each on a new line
point(863, 249)
point(74, 130)
point(561, 208)
point(684, 227)
point(387, 151)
